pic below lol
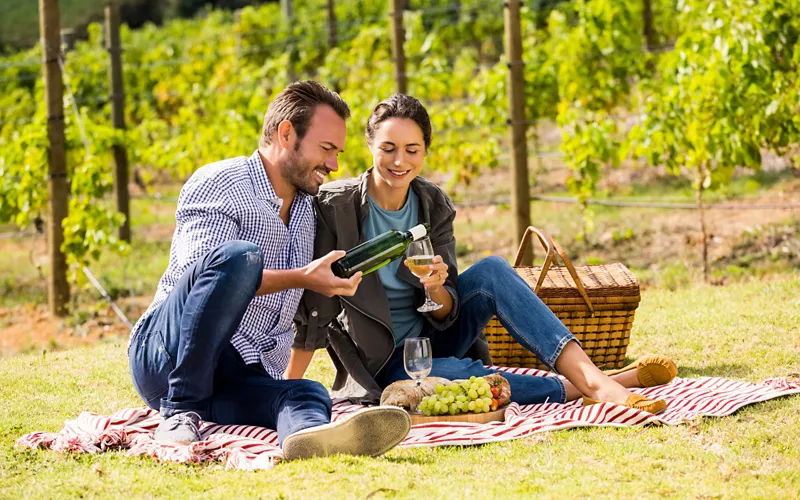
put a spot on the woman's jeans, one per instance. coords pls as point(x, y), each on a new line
point(490, 288)
point(181, 358)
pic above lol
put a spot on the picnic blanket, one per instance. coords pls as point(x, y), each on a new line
point(256, 448)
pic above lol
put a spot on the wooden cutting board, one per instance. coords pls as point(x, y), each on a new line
point(476, 418)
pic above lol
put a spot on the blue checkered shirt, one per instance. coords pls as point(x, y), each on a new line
point(234, 200)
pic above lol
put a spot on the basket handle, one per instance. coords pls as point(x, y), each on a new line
point(549, 245)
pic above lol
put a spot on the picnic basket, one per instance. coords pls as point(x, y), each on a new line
point(595, 302)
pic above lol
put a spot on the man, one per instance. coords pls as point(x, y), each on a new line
point(216, 340)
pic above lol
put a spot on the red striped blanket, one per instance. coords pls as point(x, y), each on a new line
point(249, 447)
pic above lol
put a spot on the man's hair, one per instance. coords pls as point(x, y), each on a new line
point(400, 106)
point(297, 103)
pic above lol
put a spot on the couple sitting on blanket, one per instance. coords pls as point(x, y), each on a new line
point(227, 338)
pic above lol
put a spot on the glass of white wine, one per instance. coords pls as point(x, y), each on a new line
point(417, 358)
point(420, 258)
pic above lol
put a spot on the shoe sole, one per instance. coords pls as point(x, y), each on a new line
point(370, 432)
point(658, 371)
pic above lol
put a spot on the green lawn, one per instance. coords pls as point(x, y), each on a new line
point(746, 331)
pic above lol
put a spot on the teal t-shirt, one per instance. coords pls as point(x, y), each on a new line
point(406, 321)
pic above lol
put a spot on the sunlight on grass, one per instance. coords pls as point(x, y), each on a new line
point(744, 331)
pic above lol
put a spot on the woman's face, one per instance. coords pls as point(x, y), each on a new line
point(398, 152)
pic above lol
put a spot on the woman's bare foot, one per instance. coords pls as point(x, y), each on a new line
point(585, 379)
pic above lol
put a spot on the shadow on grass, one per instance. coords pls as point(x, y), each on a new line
point(737, 370)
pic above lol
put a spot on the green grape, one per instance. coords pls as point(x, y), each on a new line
point(480, 380)
point(461, 398)
point(471, 406)
point(474, 386)
point(473, 394)
point(439, 387)
point(481, 390)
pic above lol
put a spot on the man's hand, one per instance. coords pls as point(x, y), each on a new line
point(318, 277)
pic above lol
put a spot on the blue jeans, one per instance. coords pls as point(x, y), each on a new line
point(489, 288)
point(181, 358)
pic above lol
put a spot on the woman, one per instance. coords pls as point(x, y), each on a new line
point(365, 333)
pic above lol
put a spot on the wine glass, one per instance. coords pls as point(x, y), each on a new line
point(420, 258)
point(417, 358)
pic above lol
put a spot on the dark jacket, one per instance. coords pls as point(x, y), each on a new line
point(357, 330)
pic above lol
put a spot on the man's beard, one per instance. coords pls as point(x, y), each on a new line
point(298, 172)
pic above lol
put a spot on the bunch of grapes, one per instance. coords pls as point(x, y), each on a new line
point(460, 396)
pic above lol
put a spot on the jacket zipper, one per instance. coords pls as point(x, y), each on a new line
point(379, 321)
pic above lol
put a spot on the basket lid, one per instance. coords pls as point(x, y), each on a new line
point(606, 280)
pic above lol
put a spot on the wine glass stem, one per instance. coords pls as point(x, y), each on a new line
point(427, 295)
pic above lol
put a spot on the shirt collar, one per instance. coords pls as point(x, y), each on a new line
point(263, 186)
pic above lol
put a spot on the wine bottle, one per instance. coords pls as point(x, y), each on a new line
point(379, 251)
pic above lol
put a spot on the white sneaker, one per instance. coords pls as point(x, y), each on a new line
point(181, 428)
point(370, 432)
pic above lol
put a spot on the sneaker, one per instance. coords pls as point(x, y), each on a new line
point(370, 432)
point(180, 428)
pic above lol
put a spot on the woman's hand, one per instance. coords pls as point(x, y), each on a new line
point(435, 281)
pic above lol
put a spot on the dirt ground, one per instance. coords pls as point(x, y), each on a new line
point(31, 328)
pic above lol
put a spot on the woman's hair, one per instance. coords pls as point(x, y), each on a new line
point(400, 106)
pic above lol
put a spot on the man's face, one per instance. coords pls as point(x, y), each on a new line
point(308, 163)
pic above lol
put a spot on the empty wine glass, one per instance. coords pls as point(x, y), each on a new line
point(420, 258)
point(417, 358)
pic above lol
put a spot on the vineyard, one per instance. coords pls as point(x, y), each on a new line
point(698, 88)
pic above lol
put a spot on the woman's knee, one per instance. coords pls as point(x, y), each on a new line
point(493, 264)
point(484, 274)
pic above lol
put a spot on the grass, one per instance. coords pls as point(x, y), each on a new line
point(746, 331)
point(19, 20)
point(152, 222)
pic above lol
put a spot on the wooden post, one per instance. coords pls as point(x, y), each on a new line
point(398, 53)
point(331, 25)
point(520, 190)
point(286, 8)
point(647, 22)
point(288, 15)
point(237, 19)
point(49, 24)
point(118, 117)
point(67, 40)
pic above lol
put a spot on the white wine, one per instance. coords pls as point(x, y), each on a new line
point(377, 252)
point(419, 265)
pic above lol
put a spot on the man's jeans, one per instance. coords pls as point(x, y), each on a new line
point(181, 358)
point(492, 288)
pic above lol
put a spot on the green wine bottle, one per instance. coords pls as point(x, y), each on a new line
point(379, 251)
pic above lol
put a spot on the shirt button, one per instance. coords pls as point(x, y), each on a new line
point(314, 314)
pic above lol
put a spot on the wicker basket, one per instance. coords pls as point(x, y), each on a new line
point(596, 303)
